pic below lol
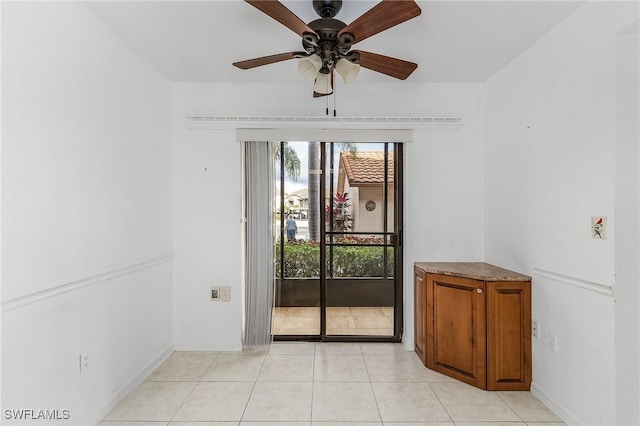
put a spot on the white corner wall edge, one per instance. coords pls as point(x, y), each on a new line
point(560, 411)
point(136, 380)
point(407, 342)
point(204, 122)
point(100, 277)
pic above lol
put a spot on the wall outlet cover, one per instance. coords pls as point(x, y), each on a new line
point(552, 342)
point(85, 363)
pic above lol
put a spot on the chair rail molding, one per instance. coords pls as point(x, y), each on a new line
point(58, 289)
point(607, 290)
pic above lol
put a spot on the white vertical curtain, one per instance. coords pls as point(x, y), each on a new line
point(259, 259)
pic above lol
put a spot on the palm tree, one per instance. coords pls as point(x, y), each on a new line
point(314, 190)
point(291, 160)
point(292, 168)
point(315, 182)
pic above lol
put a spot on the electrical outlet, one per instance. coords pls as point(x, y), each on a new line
point(215, 293)
point(84, 363)
point(535, 329)
point(552, 342)
point(225, 294)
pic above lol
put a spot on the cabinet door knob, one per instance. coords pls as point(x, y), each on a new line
point(479, 290)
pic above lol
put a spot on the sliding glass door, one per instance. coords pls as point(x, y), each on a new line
point(338, 253)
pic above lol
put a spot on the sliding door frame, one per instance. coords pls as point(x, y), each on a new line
point(396, 243)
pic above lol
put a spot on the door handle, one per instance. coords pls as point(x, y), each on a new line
point(396, 239)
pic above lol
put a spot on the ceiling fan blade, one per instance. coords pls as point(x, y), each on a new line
point(384, 15)
point(266, 60)
point(386, 65)
point(280, 13)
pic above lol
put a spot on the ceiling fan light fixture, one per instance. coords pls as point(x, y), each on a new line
point(308, 67)
point(323, 84)
point(347, 70)
point(327, 40)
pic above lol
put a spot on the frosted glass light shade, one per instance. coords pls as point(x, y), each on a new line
point(323, 84)
point(347, 70)
point(309, 67)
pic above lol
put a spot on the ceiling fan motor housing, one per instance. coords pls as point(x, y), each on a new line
point(327, 8)
point(329, 46)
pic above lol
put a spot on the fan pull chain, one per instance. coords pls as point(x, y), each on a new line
point(334, 101)
point(326, 110)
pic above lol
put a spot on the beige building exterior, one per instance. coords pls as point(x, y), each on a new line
point(361, 176)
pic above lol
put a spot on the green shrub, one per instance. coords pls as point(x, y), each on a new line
point(302, 260)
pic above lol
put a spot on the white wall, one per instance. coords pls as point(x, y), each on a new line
point(443, 190)
point(550, 119)
point(86, 220)
point(627, 237)
point(207, 239)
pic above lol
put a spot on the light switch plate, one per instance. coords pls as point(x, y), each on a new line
point(225, 294)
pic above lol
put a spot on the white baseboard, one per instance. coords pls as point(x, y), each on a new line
point(568, 417)
point(206, 345)
point(138, 378)
point(408, 344)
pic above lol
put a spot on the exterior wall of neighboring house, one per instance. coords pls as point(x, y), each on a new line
point(298, 203)
point(373, 220)
point(366, 200)
point(364, 219)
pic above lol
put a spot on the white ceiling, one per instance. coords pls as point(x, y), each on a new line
point(452, 41)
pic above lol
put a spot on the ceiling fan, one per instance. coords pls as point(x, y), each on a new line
point(327, 41)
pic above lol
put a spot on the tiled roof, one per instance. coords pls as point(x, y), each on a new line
point(366, 168)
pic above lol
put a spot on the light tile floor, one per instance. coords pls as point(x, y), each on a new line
point(317, 384)
point(343, 321)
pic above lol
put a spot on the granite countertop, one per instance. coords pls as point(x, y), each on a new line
point(473, 270)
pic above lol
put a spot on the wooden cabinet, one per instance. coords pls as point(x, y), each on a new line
point(420, 297)
point(456, 333)
point(508, 335)
point(473, 323)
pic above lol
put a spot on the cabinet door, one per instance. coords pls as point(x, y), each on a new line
point(456, 336)
point(420, 300)
point(508, 335)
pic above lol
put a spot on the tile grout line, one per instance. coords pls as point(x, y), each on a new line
point(313, 383)
point(441, 403)
point(253, 388)
point(509, 405)
point(371, 384)
point(196, 383)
